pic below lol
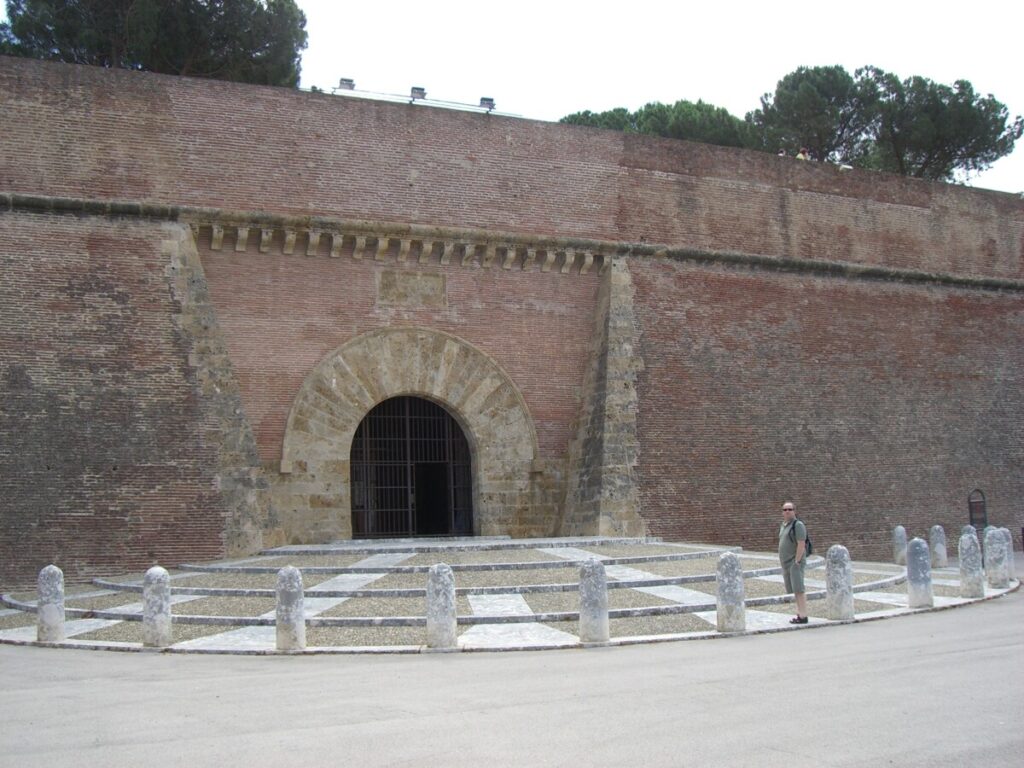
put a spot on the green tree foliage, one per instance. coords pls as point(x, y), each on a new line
point(252, 41)
point(870, 119)
point(821, 108)
point(619, 119)
point(683, 120)
point(933, 131)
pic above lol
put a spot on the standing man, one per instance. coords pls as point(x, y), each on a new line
point(792, 556)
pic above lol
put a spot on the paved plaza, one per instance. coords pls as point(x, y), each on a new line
point(931, 689)
point(512, 594)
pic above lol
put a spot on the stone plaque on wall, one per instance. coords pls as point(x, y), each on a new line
point(417, 290)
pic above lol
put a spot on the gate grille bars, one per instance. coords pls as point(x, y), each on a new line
point(411, 472)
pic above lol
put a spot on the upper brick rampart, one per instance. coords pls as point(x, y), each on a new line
point(84, 132)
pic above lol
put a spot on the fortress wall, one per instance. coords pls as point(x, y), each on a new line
point(867, 403)
point(133, 136)
point(132, 364)
point(281, 315)
point(109, 455)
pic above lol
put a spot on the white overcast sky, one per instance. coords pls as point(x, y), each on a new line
point(544, 60)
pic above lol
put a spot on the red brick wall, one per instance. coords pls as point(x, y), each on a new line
point(868, 404)
point(281, 315)
point(105, 461)
point(123, 135)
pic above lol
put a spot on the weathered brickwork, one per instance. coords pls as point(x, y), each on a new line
point(112, 457)
point(868, 404)
point(206, 286)
point(131, 136)
point(296, 309)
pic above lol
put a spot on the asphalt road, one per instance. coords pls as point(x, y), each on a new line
point(936, 689)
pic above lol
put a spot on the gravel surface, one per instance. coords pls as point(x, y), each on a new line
point(364, 636)
point(503, 578)
point(245, 580)
point(482, 556)
point(550, 602)
point(639, 550)
point(658, 625)
point(761, 588)
point(390, 606)
point(131, 632)
point(226, 606)
point(644, 625)
point(102, 603)
point(17, 620)
point(135, 578)
point(326, 561)
point(704, 566)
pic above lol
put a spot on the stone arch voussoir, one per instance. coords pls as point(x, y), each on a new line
point(313, 495)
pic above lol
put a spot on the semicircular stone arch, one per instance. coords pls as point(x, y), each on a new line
point(312, 495)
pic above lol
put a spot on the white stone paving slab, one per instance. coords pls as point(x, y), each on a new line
point(572, 553)
point(678, 594)
point(885, 598)
point(778, 579)
point(137, 607)
point(241, 639)
point(499, 605)
point(263, 638)
point(671, 592)
point(758, 620)
point(503, 635)
point(71, 628)
point(516, 635)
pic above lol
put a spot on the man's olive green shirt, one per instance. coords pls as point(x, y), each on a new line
point(787, 544)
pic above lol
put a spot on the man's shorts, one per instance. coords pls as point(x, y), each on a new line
point(793, 575)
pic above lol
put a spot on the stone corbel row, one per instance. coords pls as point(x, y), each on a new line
point(487, 255)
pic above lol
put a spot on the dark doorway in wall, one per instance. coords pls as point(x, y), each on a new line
point(411, 472)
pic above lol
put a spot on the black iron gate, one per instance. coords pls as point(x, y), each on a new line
point(411, 472)
point(977, 515)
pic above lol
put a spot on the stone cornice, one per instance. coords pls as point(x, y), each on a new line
point(415, 243)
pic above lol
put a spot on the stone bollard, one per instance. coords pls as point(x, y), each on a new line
point(838, 584)
point(919, 575)
point(291, 610)
point(899, 545)
point(937, 545)
point(732, 608)
point(593, 602)
point(50, 606)
point(972, 577)
point(156, 608)
point(997, 570)
point(442, 625)
point(1011, 566)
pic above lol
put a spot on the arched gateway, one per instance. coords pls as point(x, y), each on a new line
point(391, 375)
point(411, 472)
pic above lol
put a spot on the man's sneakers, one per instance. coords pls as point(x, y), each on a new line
point(798, 620)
